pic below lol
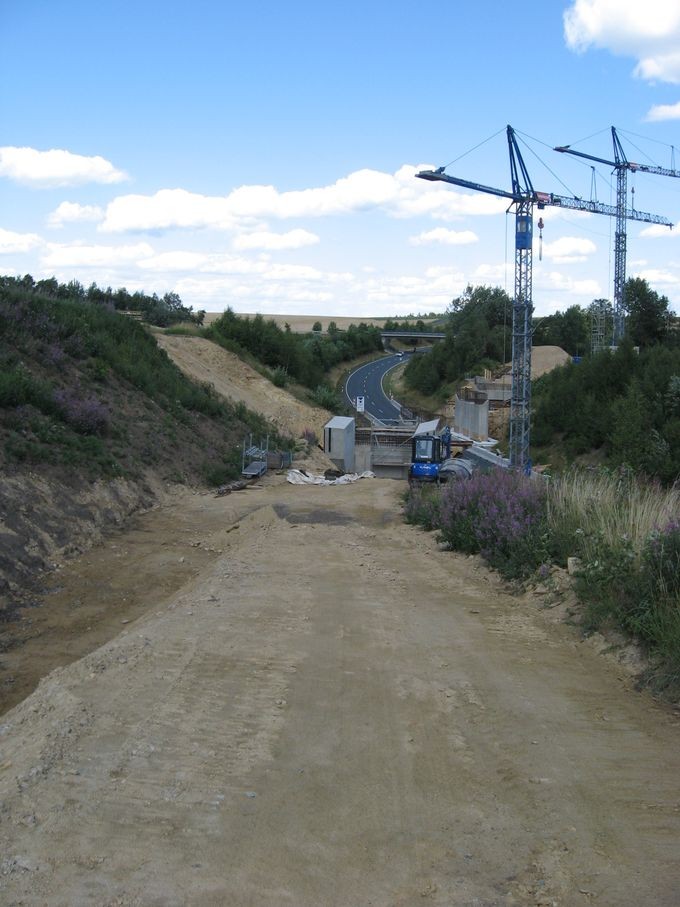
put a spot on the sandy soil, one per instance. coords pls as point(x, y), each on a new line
point(303, 701)
point(543, 359)
point(207, 362)
point(331, 711)
point(546, 358)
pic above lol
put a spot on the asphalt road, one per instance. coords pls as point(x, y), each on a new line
point(367, 381)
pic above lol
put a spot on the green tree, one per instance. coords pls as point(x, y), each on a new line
point(647, 313)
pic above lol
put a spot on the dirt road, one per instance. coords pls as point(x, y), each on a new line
point(331, 711)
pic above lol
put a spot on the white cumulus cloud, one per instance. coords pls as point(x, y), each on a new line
point(167, 262)
point(12, 243)
point(399, 194)
point(445, 237)
point(167, 208)
point(649, 32)
point(56, 168)
point(556, 280)
point(83, 256)
point(263, 239)
point(71, 212)
point(659, 230)
point(662, 112)
point(497, 274)
point(569, 249)
point(660, 277)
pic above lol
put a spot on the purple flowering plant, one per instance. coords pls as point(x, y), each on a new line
point(502, 516)
point(86, 414)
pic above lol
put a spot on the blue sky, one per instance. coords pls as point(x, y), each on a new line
point(262, 155)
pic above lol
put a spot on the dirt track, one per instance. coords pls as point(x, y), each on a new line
point(289, 697)
point(334, 712)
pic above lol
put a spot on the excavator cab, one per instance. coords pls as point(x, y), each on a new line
point(426, 458)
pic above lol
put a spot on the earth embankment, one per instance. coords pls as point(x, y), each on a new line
point(207, 362)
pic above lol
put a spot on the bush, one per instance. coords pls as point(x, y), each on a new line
point(422, 507)
point(631, 568)
point(222, 471)
point(18, 387)
point(500, 515)
point(279, 377)
point(655, 619)
point(86, 415)
point(326, 397)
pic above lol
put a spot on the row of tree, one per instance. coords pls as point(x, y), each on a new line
point(478, 332)
point(626, 404)
point(161, 311)
point(306, 358)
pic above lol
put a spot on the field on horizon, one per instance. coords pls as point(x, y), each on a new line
point(304, 323)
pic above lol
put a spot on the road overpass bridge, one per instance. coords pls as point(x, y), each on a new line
point(412, 335)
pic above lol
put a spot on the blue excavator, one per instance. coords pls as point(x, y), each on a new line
point(431, 460)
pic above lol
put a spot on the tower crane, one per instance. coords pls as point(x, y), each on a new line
point(622, 166)
point(523, 197)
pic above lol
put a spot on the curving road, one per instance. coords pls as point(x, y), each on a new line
point(366, 381)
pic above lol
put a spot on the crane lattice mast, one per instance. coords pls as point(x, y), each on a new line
point(622, 166)
point(523, 197)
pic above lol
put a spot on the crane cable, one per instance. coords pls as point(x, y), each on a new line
point(470, 150)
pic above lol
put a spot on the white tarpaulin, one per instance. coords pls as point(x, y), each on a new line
point(296, 477)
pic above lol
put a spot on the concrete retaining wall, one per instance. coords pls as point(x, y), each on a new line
point(472, 419)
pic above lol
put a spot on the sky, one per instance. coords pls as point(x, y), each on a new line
point(262, 155)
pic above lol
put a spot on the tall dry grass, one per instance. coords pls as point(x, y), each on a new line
point(610, 508)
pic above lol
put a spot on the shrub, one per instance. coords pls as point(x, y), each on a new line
point(608, 583)
point(661, 561)
point(500, 514)
point(18, 387)
point(220, 471)
point(326, 397)
point(279, 377)
point(631, 568)
point(655, 618)
point(422, 507)
point(86, 415)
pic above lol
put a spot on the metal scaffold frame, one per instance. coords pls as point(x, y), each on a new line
point(522, 309)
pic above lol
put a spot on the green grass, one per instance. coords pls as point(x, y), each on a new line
point(625, 531)
point(588, 508)
point(84, 388)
